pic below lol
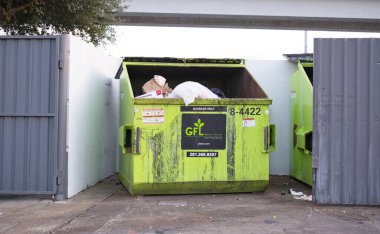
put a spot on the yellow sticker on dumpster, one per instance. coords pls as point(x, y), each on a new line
point(153, 116)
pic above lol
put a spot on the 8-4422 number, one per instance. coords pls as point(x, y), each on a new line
point(245, 111)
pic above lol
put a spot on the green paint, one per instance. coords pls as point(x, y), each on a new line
point(302, 124)
point(163, 167)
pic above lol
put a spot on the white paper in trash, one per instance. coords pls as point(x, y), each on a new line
point(190, 90)
point(153, 94)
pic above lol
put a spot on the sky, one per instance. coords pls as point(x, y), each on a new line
point(250, 44)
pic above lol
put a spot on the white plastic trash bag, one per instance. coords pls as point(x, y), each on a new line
point(190, 90)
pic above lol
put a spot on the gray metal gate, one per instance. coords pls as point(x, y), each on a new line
point(29, 86)
point(346, 139)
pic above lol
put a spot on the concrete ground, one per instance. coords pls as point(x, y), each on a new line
point(108, 208)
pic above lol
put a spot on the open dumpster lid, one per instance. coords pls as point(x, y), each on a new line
point(169, 61)
point(303, 58)
point(183, 60)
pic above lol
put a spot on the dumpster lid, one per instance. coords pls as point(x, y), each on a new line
point(119, 71)
point(169, 61)
point(303, 58)
point(183, 60)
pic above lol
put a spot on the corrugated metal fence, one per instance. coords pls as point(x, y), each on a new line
point(28, 114)
point(347, 121)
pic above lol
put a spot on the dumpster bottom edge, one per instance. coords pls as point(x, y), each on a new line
point(198, 187)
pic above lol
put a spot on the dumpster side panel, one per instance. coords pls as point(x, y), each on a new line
point(127, 112)
point(160, 158)
point(251, 162)
point(302, 126)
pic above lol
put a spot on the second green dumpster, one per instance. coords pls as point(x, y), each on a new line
point(301, 84)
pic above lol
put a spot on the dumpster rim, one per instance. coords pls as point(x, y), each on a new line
point(205, 101)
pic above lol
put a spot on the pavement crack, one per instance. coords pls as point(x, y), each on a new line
point(65, 224)
point(62, 226)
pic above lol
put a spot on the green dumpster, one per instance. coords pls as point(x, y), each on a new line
point(302, 117)
point(209, 146)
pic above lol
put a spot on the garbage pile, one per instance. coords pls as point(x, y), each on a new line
point(157, 87)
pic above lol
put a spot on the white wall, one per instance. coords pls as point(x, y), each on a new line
point(274, 77)
point(92, 115)
point(206, 42)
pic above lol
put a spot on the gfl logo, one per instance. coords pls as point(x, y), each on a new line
point(192, 131)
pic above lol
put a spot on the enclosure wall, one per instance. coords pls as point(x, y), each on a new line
point(28, 114)
point(273, 76)
point(92, 115)
point(346, 121)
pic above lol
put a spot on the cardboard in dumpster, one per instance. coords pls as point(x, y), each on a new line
point(157, 83)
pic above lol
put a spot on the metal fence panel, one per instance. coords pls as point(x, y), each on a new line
point(346, 121)
point(28, 114)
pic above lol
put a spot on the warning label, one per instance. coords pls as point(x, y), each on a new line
point(249, 122)
point(153, 116)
